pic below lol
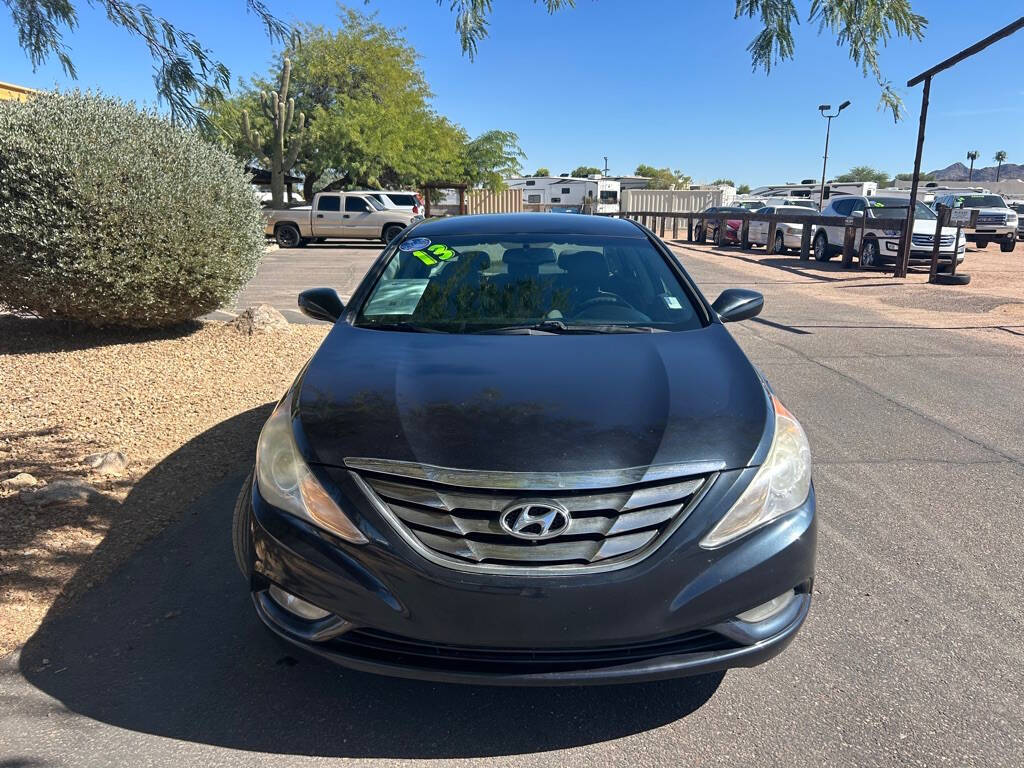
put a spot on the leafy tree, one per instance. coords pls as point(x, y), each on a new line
point(663, 178)
point(743, 189)
point(864, 173)
point(489, 158)
point(582, 171)
point(863, 27)
point(542, 171)
point(185, 71)
point(370, 122)
point(910, 177)
point(1000, 158)
point(725, 182)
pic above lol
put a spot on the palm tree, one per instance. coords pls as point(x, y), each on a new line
point(972, 155)
point(1000, 158)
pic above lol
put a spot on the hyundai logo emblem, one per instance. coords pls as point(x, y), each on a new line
point(535, 520)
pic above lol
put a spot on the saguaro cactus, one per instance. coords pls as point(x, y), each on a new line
point(279, 110)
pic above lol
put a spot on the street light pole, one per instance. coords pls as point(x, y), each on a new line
point(823, 108)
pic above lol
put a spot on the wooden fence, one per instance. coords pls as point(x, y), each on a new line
point(485, 201)
point(662, 223)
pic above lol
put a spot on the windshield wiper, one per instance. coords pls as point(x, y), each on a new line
point(402, 326)
point(560, 326)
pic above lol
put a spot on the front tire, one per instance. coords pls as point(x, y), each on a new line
point(981, 244)
point(1008, 245)
point(821, 247)
point(780, 243)
point(869, 254)
point(241, 529)
point(288, 236)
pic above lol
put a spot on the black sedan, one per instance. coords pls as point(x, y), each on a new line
point(529, 452)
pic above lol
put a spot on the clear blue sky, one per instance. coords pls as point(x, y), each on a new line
point(643, 81)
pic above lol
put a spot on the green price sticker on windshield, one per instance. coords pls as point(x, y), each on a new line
point(434, 253)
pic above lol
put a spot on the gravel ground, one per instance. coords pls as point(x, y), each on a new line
point(145, 395)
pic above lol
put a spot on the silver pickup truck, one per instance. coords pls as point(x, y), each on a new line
point(341, 215)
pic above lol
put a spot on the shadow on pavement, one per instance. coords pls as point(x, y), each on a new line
point(169, 645)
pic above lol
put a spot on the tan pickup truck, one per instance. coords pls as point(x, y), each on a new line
point(341, 215)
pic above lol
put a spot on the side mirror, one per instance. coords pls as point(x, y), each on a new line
point(738, 304)
point(321, 304)
point(859, 214)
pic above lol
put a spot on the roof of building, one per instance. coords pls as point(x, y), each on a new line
point(529, 223)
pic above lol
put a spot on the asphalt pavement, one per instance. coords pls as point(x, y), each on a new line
point(912, 654)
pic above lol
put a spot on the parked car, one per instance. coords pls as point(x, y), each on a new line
point(396, 200)
point(750, 205)
point(997, 222)
point(787, 234)
point(881, 243)
point(530, 453)
point(1018, 207)
point(345, 215)
point(707, 226)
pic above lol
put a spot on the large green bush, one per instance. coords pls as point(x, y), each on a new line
point(112, 216)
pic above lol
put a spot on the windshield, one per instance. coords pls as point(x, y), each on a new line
point(796, 210)
point(896, 208)
point(979, 201)
point(574, 283)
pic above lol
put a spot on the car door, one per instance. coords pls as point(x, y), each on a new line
point(358, 217)
point(836, 234)
point(758, 231)
point(327, 218)
point(858, 206)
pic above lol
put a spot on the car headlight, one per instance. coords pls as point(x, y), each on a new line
point(1012, 219)
point(287, 483)
point(780, 485)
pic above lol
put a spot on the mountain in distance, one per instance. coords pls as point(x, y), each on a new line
point(960, 172)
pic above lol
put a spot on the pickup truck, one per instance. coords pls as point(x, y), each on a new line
point(347, 215)
point(997, 222)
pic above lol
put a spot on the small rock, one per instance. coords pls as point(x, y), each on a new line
point(260, 319)
point(20, 480)
point(64, 491)
point(107, 463)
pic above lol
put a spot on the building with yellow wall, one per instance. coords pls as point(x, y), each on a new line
point(11, 92)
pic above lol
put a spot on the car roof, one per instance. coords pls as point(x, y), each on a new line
point(530, 223)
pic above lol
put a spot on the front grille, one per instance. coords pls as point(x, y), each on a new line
point(374, 646)
point(991, 218)
point(460, 527)
point(929, 240)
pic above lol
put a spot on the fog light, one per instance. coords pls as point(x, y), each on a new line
point(767, 610)
point(298, 606)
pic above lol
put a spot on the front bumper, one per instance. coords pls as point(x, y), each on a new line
point(671, 614)
point(990, 234)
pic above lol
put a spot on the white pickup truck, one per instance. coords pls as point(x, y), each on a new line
point(336, 215)
point(996, 222)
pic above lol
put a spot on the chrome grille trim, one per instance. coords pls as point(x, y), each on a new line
point(533, 481)
point(460, 530)
point(944, 240)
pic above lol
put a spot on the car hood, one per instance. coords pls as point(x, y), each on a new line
point(560, 403)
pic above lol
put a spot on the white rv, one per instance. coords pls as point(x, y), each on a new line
point(790, 194)
point(595, 192)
